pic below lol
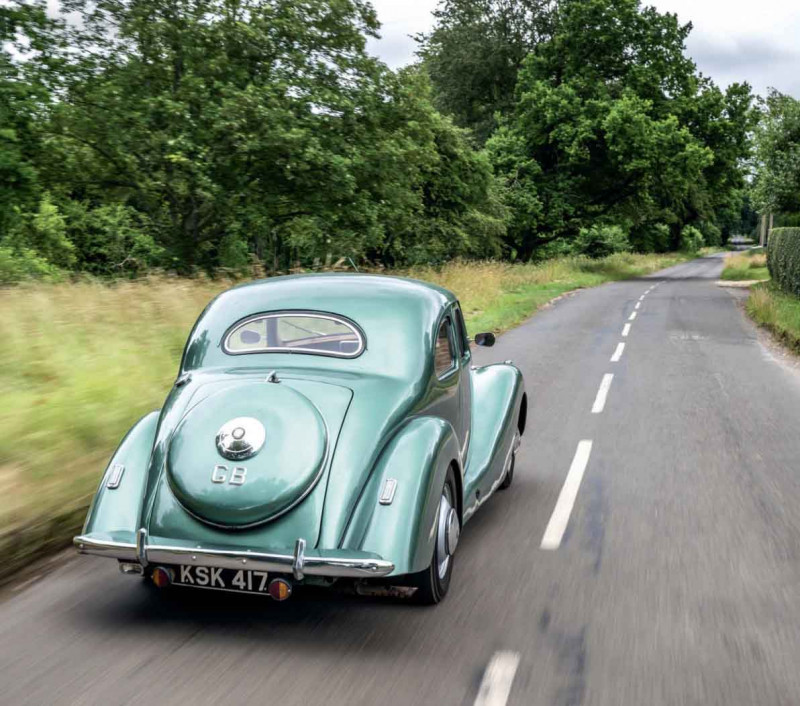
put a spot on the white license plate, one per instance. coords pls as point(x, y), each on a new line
point(244, 580)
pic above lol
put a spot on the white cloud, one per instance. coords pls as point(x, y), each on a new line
point(732, 40)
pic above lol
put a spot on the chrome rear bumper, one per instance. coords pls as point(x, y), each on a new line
point(334, 563)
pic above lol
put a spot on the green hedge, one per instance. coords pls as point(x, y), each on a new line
point(783, 258)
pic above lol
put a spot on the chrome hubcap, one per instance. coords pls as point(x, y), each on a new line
point(453, 531)
point(448, 531)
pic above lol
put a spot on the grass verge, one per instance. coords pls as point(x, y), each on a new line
point(750, 265)
point(776, 311)
point(497, 296)
point(81, 362)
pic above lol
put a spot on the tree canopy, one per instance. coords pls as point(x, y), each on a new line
point(777, 155)
point(205, 134)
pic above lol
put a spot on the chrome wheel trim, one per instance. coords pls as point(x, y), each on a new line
point(453, 531)
point(446, 536)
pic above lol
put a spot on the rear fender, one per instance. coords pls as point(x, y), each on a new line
point(403, 530)
point(499, 411)
point(116, 510)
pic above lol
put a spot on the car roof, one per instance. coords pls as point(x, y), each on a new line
point(396, 314)
point(344, 286)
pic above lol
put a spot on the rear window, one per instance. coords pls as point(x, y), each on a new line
point(295, 332)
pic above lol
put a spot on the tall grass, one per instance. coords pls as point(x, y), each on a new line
point(496, 296)
point(777, 311)
point(80, 362)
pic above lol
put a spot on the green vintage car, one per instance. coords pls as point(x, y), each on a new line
point(323, 428)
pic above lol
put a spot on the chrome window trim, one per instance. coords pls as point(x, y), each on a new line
point(463, 339)
point(336, 318)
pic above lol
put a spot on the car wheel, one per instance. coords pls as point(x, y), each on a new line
point(433, 582)
point(509, 477)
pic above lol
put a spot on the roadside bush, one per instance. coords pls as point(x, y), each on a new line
point(560, 247)
point(712, 236)
point(651, 237)
point(601, 241)
point(783, 258)
point(787, 220)
point(112, 239)
point(17, 266)
point(691, 239)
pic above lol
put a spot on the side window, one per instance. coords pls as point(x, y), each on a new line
point(461, 330)
point(444, 355)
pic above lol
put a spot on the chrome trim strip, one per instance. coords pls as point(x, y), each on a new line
point(299, 559)
point(464, 445)
point(388, 491)
point(115, 477)
point(333, 566)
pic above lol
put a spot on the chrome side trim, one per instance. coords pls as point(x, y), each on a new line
point(464, 445)
point(299, 559)
point(317, 564)
point(388, 491)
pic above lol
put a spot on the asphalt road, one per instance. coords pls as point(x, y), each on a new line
point(676, 580)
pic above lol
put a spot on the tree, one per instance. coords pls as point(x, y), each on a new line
point(219, 120)
point(612, 123)
point(475, 51)
point(777, 155)
point(221, 130)
point(24, 96)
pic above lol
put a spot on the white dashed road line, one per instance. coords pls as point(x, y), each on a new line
point(632, 316)
point(638, 304)
point(641, 299)
point(497, 679)
point(618, 353)
point(602, 393)
point(566, 499)
point(626, 329)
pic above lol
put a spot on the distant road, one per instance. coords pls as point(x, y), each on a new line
point(647, 554)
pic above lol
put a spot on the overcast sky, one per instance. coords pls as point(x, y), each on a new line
point(732, 40)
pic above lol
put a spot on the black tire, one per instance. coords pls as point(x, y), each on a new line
point(509, 473)
point(431, 587)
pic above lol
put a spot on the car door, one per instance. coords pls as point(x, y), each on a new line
point(465, 383)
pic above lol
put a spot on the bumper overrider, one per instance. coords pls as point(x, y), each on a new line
point(140, 549)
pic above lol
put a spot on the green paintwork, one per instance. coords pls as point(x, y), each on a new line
point(336, 429)
point(284, 470)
